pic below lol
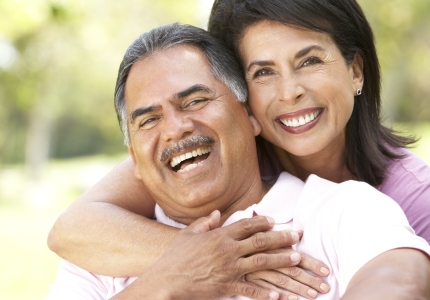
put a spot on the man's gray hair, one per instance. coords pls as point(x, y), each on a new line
point(223, 63)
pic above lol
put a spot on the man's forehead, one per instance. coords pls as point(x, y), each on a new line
point(167, 73)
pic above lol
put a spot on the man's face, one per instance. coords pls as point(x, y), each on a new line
point(191, 140)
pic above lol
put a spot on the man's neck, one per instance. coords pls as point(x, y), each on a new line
point(253, 195)
point(250, 192)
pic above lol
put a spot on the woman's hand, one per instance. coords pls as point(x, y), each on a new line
point(292, 281)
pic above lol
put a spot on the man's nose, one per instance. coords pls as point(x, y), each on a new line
point(176, 125)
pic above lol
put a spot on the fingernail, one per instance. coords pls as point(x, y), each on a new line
point(325, 271)
point(324, 287)
point(312, 293)
point(293, 297)
point(295, 257)
point(274, 295)
point(294, 235)
point(271, 220)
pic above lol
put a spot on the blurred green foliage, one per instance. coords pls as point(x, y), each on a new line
point(403, 42)
point(59, 58)
point(58, 71)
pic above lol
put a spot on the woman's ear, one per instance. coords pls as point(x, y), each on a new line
point(133, 157)
point(357, 72)
point(256, 127)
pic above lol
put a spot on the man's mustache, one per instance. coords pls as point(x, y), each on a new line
point(192, 141)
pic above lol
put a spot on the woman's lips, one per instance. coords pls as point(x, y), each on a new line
point(300, 121)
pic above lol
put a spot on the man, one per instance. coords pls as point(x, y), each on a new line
point(192, 141)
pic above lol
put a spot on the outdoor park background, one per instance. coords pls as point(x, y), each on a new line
point(59, 134)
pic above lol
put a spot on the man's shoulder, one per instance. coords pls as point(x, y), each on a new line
point(336, 199)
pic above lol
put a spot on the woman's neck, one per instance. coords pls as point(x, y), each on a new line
point(328, 164)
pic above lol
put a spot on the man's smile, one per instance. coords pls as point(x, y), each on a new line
point(189, 160)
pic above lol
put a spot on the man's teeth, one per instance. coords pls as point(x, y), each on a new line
point(302, 120)
point(178, 159)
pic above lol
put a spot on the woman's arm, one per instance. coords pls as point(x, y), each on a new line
point(395, 274)
point(105, 230)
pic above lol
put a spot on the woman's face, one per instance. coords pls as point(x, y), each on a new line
point(301, 90)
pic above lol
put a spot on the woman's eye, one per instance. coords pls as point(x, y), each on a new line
point(262, 72)
point(311, 61)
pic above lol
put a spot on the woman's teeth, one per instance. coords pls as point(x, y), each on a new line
point(197, 152)
point(302, 120)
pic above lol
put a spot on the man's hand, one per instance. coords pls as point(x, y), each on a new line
point(204, 261)
point(292, 281)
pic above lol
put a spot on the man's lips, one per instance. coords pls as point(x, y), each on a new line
point(189, 160)
point(299, 118)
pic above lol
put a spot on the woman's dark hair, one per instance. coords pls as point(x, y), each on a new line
point(369, 144)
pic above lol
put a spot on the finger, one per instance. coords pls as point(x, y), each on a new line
point(244, 228)
point(283, 294)
point(205, 224)
point(314, 265)
point(269, 240)
point(303, 277)
point(280, 280)
point(254, 291)
point(264, 261)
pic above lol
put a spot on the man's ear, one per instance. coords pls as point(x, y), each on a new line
point(357, 74)
point(256, 127)
point(133, 157)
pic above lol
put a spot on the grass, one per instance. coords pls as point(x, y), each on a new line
point(29, 209)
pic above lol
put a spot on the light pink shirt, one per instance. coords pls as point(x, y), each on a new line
point(345, 226)
point(407, 182)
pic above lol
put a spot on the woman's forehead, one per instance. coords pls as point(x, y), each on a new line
point(268, 36)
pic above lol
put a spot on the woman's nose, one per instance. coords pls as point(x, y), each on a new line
point(290, 89)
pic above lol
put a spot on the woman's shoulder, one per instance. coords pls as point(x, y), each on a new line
point(408, 183)
point(410, 169)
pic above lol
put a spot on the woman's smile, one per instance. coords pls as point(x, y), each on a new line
point(299, 121)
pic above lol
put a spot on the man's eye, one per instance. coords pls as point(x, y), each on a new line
point(196, 104)
point(148, 123)
point(262, 72)
point(311, 61)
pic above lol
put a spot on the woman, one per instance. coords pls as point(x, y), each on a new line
point(346, 140)
point(314, 86)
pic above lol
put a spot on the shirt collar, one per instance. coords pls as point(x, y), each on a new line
point(278, 203)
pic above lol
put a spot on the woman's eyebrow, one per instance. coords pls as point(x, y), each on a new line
point(308, 49)
point(260, 63)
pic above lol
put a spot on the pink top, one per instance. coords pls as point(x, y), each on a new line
point(407, 182)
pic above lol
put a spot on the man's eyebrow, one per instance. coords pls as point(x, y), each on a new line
point(260, 63)
point(141, 111)
point(308, 49)
point(193, 89)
